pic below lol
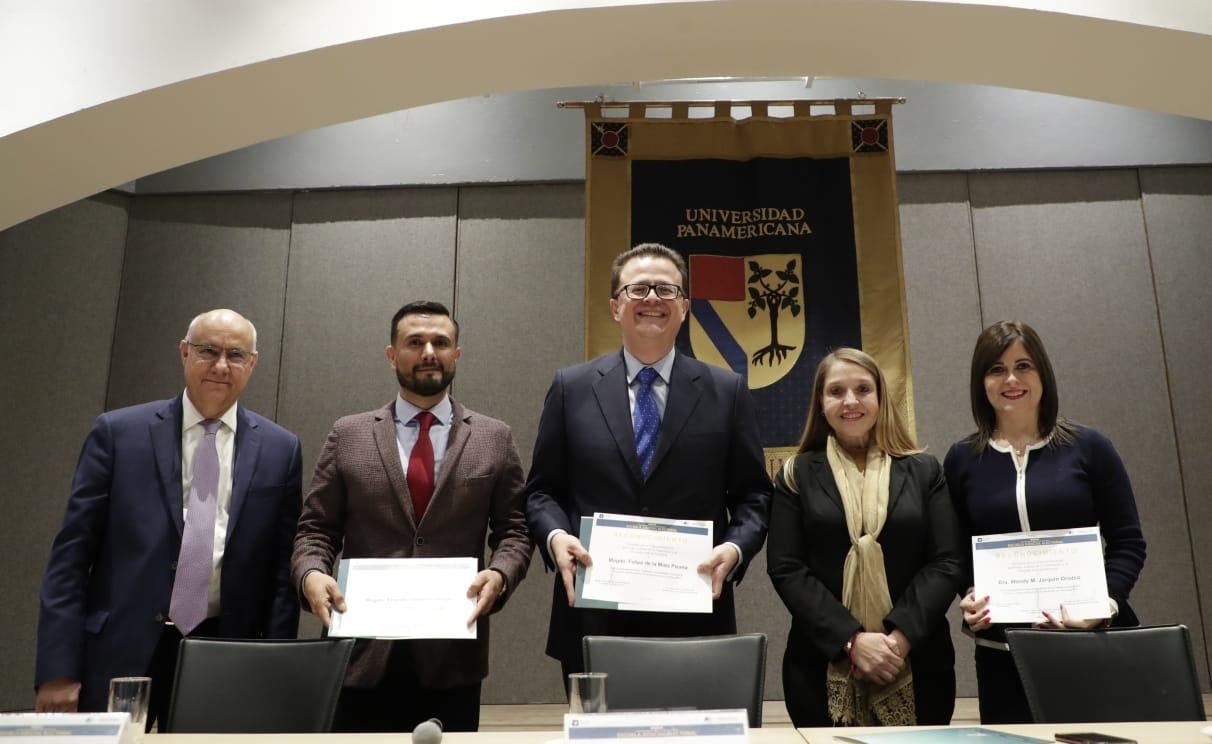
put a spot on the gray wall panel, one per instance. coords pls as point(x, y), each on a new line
point(944, 306)
point(520, 294)
point(759, 610)
point(1066, 252)
point(355, 258)
point(59, 278)
point(189, 254)
point(1178, 217)
point(944, 320)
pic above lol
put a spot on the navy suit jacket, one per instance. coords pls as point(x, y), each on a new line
point(106, 591)
point(708, 465)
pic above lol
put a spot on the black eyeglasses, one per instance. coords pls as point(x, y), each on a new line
point(641, 291)
point(211, 354)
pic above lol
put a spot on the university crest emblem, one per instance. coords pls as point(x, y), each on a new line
point(746, 314)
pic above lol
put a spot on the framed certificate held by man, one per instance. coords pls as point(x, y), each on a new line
point(645, 563)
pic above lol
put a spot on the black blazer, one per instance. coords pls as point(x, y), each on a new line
point(708, 465)
point(808, 546)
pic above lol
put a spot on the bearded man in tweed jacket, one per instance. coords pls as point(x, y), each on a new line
point(421, 477)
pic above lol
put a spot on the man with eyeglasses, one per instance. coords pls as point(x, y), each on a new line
point(652, 432)
point(180, 522)
point(422, 477)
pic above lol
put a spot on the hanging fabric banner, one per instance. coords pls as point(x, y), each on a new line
point(789, 228)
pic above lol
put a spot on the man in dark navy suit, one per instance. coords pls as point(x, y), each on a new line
point(646, 431)
point(181, 519)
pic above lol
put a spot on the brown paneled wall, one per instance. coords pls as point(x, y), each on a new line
point(1111, 266)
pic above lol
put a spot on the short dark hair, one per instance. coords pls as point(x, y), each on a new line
point(990, 346)
point(422, 307)
point(656, 250)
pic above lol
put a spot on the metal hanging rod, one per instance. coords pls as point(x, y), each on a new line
point(713, 103)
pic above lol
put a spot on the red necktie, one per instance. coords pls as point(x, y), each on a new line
point(420, 466)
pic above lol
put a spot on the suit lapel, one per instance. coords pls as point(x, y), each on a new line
point(244, 456)
point(611, 391)
point(896, 481)
point(685, 388)
point(824, 478)
point(389, 453)
point(165, 432)
point(460, 432)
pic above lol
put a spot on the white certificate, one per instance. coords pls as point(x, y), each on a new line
point(68, 728)
point(405, 598)
point(659, 727)
point(1025, 573)
point(644, 563)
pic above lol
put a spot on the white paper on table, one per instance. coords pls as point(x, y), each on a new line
point(660, 727)
point(67, 728)
point(405, 598)
point(1025, 573)
point(649, 563)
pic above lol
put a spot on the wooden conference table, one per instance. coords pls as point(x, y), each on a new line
point(1176, 732)
point(780, 735)
point(1169, 732)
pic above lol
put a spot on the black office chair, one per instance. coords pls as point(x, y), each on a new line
point(1116, 674)
point(257, 687)
point(710, 672)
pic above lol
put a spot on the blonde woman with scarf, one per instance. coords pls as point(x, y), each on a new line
point(864, 551)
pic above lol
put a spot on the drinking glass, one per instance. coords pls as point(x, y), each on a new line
point(131, 695)
point(587, 692)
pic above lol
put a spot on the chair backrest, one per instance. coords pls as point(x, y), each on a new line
point(257, 686)
point(1116, 674)
point(710, 672)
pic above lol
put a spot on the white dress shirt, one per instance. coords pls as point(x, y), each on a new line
point(407, 431)
point(660, 385)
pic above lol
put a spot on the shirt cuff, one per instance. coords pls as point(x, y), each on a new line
point(303, 581)
point(740, 560)
point(551, 536)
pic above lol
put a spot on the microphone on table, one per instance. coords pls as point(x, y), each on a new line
point(428, 732)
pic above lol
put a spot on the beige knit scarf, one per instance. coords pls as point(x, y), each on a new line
point(855, 702)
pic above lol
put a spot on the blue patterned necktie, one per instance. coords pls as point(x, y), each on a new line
point(646, 420)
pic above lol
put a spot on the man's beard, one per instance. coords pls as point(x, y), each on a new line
point(427, 385)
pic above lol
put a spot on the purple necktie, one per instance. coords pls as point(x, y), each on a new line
point(191, 589)
point(646, 420)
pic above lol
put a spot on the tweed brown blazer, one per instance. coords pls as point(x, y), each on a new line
point(358, 506)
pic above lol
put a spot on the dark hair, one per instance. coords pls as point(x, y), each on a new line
point(990, 346)
point(891, 434)
point(422, 307)
point(655, 250)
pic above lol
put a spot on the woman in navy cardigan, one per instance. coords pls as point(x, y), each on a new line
point(1027, 469)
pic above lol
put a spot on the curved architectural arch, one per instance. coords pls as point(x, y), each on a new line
point(1151, 58)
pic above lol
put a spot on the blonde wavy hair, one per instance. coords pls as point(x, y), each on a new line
point(891, 434)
